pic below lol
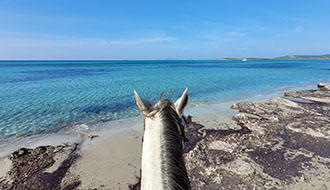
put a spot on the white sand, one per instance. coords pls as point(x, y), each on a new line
point(109, 162)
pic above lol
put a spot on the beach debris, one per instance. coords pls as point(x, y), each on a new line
point(137, 185)
point(91, 137)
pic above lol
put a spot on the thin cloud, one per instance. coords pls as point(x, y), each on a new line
point(295, 30)
point(236, 34)
point(151, 40)
point(32, 42)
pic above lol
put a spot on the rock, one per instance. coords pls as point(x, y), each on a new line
point(29, 165)
point(323, 87)
point(20, 152)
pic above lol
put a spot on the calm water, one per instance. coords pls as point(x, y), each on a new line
point(46, 96)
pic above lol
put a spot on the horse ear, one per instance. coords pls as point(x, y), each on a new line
point(181, 103)
point(140, 103)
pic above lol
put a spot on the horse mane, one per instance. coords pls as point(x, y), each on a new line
point(173, 166)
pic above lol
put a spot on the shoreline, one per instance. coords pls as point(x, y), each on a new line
point(110, 154)
point(76, 133)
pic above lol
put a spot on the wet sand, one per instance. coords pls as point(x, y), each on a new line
point(109, 162)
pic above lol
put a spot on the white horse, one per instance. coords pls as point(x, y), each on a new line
point(162, 148)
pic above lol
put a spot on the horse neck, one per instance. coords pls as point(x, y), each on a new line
point(162, 162)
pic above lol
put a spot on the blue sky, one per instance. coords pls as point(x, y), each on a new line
point(162, 29)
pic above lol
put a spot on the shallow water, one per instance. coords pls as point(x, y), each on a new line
point(47, 96)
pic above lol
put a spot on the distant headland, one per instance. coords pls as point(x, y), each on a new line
point(288, 57)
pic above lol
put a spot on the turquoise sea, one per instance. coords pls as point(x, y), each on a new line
point(47, 96)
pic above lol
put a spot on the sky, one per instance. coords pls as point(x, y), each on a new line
point(162, 29)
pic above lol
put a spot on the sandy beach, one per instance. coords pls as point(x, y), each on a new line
point(109, 162)
point(108, 158)
point(227, 149)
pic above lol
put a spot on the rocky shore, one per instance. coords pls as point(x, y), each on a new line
point(41, 168)
point(278, 143)
point(282, 143)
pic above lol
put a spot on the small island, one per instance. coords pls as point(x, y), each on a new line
point(288, 57)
